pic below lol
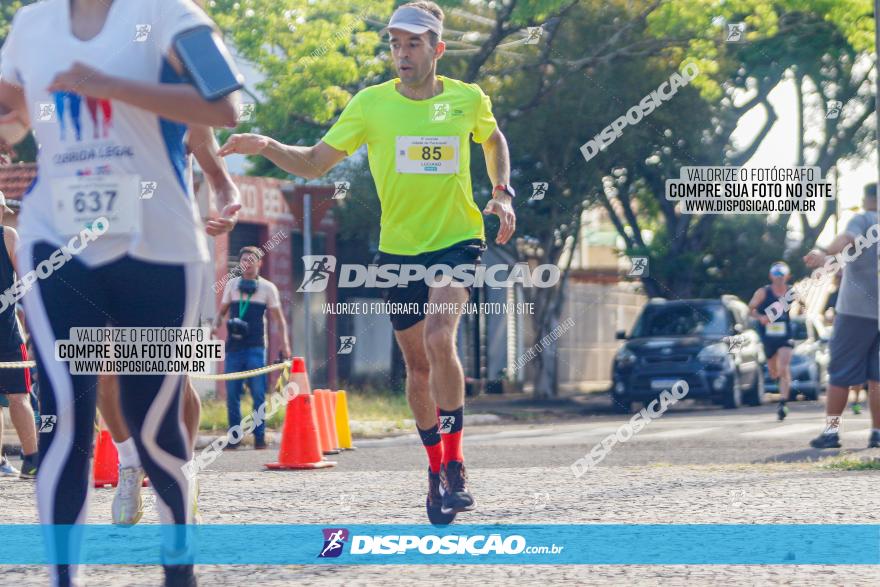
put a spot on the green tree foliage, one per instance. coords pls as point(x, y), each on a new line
point(314, 56)
point(823, 49)
point(7, 11)
point(736, 259)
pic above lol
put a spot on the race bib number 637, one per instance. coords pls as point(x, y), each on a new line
point(79, 201)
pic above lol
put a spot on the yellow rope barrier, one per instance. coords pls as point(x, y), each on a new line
point(240, 374)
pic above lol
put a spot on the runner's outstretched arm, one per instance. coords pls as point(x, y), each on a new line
point(306, 162)
point(497, 157)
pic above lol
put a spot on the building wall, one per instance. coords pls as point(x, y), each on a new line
point(587, 349)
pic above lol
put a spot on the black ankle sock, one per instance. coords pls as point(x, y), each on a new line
point(431, 436)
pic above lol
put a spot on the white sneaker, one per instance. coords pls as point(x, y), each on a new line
point(128, 506)
point(6, 468)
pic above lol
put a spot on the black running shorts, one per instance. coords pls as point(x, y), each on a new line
point(415, 294)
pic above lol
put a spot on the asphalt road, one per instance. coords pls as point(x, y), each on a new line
point(694, 465)
point(688, 434)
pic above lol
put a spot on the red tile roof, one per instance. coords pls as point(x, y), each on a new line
point(16, 178)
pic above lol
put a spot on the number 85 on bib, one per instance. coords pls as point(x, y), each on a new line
point(428, 155)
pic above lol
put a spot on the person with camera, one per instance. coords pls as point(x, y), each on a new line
point(249, 297)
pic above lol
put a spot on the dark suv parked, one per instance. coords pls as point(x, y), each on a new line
point(707, 342)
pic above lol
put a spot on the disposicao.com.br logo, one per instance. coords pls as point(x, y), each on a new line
point(319, 268)
point(429, 544)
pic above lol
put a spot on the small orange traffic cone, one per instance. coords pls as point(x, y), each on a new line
point(322, 413)
point(106, 468)
point(105, 472)
point(298, 375)
point(299, 439)
point(330, 403)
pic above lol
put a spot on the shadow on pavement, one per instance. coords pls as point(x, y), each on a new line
point(815, 455)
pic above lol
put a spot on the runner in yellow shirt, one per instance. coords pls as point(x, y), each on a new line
point(417, 129)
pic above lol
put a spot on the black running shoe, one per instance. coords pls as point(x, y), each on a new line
point(781, 412)
point(453, 487)
point(826, 441)
point(180, 576)
point(435, 502)
point(29, 467)
point(874, 441)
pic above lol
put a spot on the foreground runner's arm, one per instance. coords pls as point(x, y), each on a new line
point(177, 102)
point(306, 162)
point(204, 147)
point(497, 157)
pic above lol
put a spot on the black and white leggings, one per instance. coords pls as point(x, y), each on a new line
point(125, 293)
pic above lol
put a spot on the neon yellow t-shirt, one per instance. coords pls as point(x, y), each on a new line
point(419, 153)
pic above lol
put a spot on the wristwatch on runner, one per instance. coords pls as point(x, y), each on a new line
point(506, 188)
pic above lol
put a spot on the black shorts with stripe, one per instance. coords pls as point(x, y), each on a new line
point(14, 380)
point(417, 293)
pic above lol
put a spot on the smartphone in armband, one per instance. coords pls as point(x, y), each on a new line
point(208, 63)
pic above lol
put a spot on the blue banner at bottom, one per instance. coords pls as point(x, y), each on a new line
point(605, 544)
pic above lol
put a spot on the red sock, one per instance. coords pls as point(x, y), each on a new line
point(450, 427)
point(431, 441)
